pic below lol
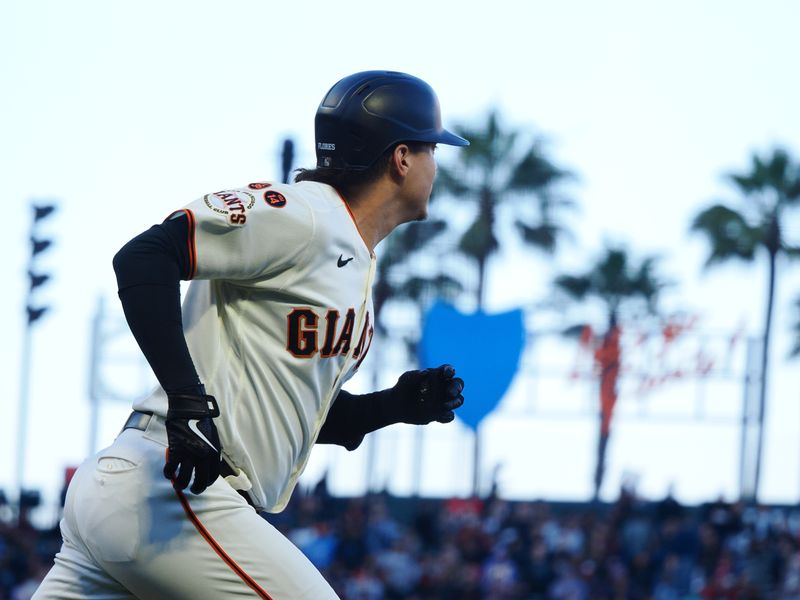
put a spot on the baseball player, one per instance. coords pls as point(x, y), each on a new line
point(277, 318)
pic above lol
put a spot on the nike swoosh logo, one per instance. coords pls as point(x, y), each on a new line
point(343, 261)
point(193, 426)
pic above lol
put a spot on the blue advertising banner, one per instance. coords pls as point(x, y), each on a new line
point(484, 348)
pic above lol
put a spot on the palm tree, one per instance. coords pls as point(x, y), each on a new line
point(766, 191)
point(497, 166)
point(500, 166)
point(616, 283)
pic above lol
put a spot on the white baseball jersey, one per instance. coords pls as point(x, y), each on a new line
point(278, 317)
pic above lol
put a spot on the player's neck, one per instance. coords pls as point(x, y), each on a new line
point(377, 211)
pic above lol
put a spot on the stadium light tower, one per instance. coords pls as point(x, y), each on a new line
point(34, 312)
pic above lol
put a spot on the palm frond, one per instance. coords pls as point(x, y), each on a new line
point(777, 169)
point(753, 180)
point(793, 189)
point(446, 287)
point(575, 331)
point(610, 274)
point(543, 236)
point(535, 172)
point(647, 283)
point(791, 251)
point(423, 289)
point(575, 286)
point(776, 172)
point(614, 280)
point(478, 241)
point(448, 182)
point(489, 145)
point(729, 234)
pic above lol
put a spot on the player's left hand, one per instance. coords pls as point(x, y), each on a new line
point(194, 451)
point(429, 395)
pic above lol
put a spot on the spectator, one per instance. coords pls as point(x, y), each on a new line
point(363, 585)
point(317, 541)
point(500, 579)
point(398, 567)
point(382, 530)
point(568, 584)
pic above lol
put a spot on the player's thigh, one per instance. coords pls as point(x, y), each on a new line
point(219, 547)
point(74, 576)
point(75, 573)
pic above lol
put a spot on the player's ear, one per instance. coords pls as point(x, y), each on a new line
point(399, 163)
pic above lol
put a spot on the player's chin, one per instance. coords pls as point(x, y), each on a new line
point(422, 213)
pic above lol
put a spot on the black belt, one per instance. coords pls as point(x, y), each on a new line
point(140, 420)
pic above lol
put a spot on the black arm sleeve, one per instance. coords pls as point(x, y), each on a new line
point(149, 269)
point(352, 416)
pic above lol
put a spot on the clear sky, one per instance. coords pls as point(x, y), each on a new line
point(124, 111)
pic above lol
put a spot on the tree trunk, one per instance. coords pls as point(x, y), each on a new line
point(762, 395)
point(481, 279)
point(476, 464)
point(600, 466)
point(489, 244)
point(608, 358)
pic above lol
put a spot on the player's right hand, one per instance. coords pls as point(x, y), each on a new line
point(428, 395)
point(193, 442)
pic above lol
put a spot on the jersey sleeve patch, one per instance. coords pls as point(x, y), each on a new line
point(274, 199)
point(232, 204)
point(259, 185)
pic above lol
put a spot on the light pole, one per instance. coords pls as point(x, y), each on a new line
point(34, 312)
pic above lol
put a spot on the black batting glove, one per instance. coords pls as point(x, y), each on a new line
point(194, 446)
point(428, 395)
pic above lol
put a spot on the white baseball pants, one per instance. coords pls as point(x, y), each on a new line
point(127, 533)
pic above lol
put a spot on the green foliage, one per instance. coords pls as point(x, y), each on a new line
point(574, 331)
point(766, 191)
point(448, 182)
point(730, 234)
point(395, 256)
point(543, 236)
point(615, 280)
point(769, 188)
point(420, 288)
point(534, 171)
point(488, 147)
point(498, 166)
point(479, 239)
point(575, 286)
point(775, 175)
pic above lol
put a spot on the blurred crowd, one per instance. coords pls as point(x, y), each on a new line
point(380, 546)
point(26, 554)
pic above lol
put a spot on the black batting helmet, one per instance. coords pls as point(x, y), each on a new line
point(363, 114)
